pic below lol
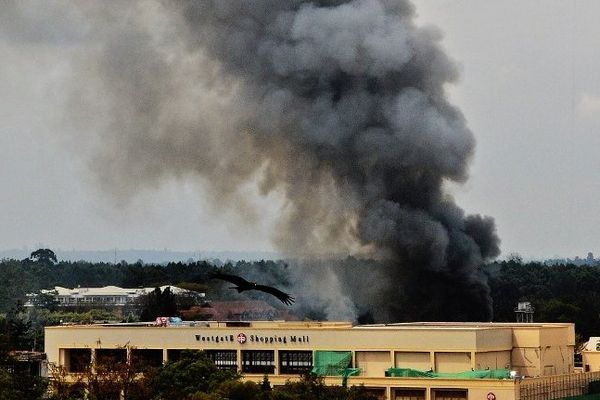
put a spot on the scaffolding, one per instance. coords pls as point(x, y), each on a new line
point(474, 374)
point(334, 363)
point(559, 386)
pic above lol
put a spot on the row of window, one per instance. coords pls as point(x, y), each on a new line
point(78, 360)
point(253, 361)
point(94, 299)
point(436, 394)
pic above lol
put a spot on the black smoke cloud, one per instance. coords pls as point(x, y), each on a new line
point(352, 94)
point(336, 106)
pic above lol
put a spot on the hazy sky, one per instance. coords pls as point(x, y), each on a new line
point(530, 89)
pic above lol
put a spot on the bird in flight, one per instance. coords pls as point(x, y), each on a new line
point(242, 285)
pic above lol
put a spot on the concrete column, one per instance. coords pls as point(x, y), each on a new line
point(62, 358)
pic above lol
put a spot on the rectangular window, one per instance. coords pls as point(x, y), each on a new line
point(146, 358)
point(374, 393)
point(223, 359)
point(238, 324)
point(258, 361)
point(408, 394)
point(173, 355)
point(78, 360)
point(110, 358)
point(295, 362)
point(449, 394)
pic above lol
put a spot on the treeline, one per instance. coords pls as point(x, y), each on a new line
point(559, 293)
point(22, 328)
point(20, 277)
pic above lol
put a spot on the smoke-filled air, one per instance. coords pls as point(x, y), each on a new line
point(336, 107)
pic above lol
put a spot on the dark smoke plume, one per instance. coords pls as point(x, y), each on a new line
point(336, 106)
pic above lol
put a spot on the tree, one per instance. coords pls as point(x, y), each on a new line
point(312, 387)
point(14, 331)
point(158, 304)
point(63, 387)
point(44, 256)
point(16, 380)
point(46, 299)
point(17, 385)
point(265, 387)
point(110, 378)
point(236, 390)
point(194, 372)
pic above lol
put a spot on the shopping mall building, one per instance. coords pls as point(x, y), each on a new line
point(408, 361)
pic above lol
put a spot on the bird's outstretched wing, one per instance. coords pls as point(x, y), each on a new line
point(246, 285)
point(284, 297)
point(236, 280)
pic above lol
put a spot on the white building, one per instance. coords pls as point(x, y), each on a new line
point(105, 296)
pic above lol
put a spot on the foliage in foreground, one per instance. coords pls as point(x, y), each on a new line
point(16, 385)
point(192, 377)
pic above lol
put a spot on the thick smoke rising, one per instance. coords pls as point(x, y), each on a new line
point(350, 119)
point(336, 106)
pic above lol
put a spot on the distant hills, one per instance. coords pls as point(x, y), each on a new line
point(147, 256)
point(156, 256)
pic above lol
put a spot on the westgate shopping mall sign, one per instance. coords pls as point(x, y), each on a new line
point(242, 338)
